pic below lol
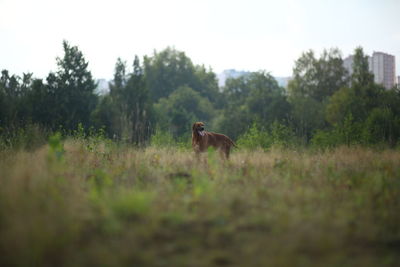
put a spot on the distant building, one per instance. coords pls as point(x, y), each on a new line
point(348, 64)
point(283, 81)
point(398, 81)
point(231, 73)
point(102, 87)
point(382, 65)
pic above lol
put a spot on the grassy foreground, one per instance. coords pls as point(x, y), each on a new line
point(82, 204)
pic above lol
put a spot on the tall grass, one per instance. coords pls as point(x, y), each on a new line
point(80, 202)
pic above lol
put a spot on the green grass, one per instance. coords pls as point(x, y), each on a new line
point(77, 204)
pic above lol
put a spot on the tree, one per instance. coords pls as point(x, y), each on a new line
point(314, 82)
point(41, 104)
point(256, 97)
point(116, 105)
point(177, 112)
point(166, 71)
point(138, 104)
point(266, 101)
point(361, 76)
point(358, 100)
point(169, 69)
point(9, 92)
point(341, 104)
point(105, 114)
point(318, 78)
point(72, 88)
point(127, 111)
point(14, 99)
point(120, 79)
point(381, 126)
point(374, 111)
point(236, 90)
point(24, 103)
point(206, 84)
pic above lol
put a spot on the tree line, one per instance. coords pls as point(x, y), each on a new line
point(166, 92)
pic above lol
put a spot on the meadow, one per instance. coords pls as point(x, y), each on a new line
point(82, 202)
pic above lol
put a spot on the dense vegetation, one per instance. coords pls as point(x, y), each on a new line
point(110, 180)
point(166, 92)
point(92, 202)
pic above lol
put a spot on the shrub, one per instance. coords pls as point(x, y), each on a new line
point(381, 126)
point(278, 135)
point(347, 133)
point(162, 139)
point(28, 137)
point(281, 135)
point(255, 137)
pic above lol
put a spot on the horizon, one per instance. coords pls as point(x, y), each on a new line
point(242, 35)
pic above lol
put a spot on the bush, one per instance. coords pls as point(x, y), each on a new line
point(162, 139)
point(281, 135)
point(325, 139)
point(28, 137)
point(254, 138)
point(278, 135)
point(381, 126)
point(347, 133)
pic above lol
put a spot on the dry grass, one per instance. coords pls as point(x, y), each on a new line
point(119, 206)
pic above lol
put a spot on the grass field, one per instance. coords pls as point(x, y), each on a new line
point(77, 203)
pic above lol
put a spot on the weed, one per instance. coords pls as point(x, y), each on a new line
point(162, 207)
point(56, 147)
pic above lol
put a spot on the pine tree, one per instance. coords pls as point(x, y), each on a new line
point(73, 89)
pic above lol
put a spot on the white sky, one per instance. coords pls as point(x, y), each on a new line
point(222, 34)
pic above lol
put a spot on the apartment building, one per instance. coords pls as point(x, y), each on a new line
point(382, 65)
point(348, 64)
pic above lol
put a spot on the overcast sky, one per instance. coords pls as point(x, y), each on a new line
point(222, 34)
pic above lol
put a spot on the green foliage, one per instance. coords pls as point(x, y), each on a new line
point(162, 138)
point(325, 139)
point(79, 132)
point(56, 147)
point(170, 69)
point(183, 107)
point(162, 207)
point(126, 112)
point(15, 96)
point(29, 137)
point(65, 100)
point(254, 97)
point(281, 135)
point(307, 116)
point(92, 139)
point(233, 120)
point(105, 115)
point(132, 204)
point(278, 135)
point(99, 182)
point(341, 103)
point(254, 137)
point(314, 81)
point(168, 91)
point(371, 108)
point(382, 126)
point(318, 78)
point(347, 133)
point(361, 76)
point(266, 101)
point(72, 88)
